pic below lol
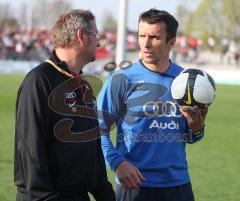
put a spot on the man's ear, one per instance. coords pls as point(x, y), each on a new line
point(172, 42)
point(81, 36)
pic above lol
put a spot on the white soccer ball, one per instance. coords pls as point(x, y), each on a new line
point(193, 87)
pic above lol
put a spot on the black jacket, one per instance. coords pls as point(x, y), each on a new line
point(57, 146)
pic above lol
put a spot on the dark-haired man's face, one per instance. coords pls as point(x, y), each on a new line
point(153, 42)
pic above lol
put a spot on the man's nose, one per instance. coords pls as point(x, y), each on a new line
point(98, 43)
point(148, 42)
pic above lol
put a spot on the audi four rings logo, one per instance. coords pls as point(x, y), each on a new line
point(161, 109)
point(70, 95)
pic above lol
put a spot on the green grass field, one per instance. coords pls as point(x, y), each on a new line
point(214, 162)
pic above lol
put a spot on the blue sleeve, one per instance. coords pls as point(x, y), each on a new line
point(110, 106)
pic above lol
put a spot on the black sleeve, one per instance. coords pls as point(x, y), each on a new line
point(32, 128)
point(104, 190)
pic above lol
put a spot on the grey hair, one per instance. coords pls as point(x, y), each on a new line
point(65, 28)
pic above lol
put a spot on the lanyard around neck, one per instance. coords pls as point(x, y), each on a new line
point(60, 69)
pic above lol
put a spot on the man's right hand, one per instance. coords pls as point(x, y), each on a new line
point(129, 175)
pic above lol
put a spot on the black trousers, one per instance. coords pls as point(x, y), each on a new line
point(84, 197)
point(177, 193)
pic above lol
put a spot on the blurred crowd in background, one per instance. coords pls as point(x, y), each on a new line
point(188, 49)
point(16, 44)
point(36, 45)
point(209, 32)
point(23, 45)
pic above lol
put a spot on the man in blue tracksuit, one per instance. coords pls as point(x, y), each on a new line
point(152, 131)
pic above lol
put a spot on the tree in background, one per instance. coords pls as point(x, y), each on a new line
point(211, 18)
point(182, 15)
point(231, 10)
point(109, 22)
point(6, 18)
point(45, 12)
point(42, 13)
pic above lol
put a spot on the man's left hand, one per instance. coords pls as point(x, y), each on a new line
point(195, 117)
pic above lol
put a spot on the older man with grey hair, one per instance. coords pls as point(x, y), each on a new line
point(58, 155)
